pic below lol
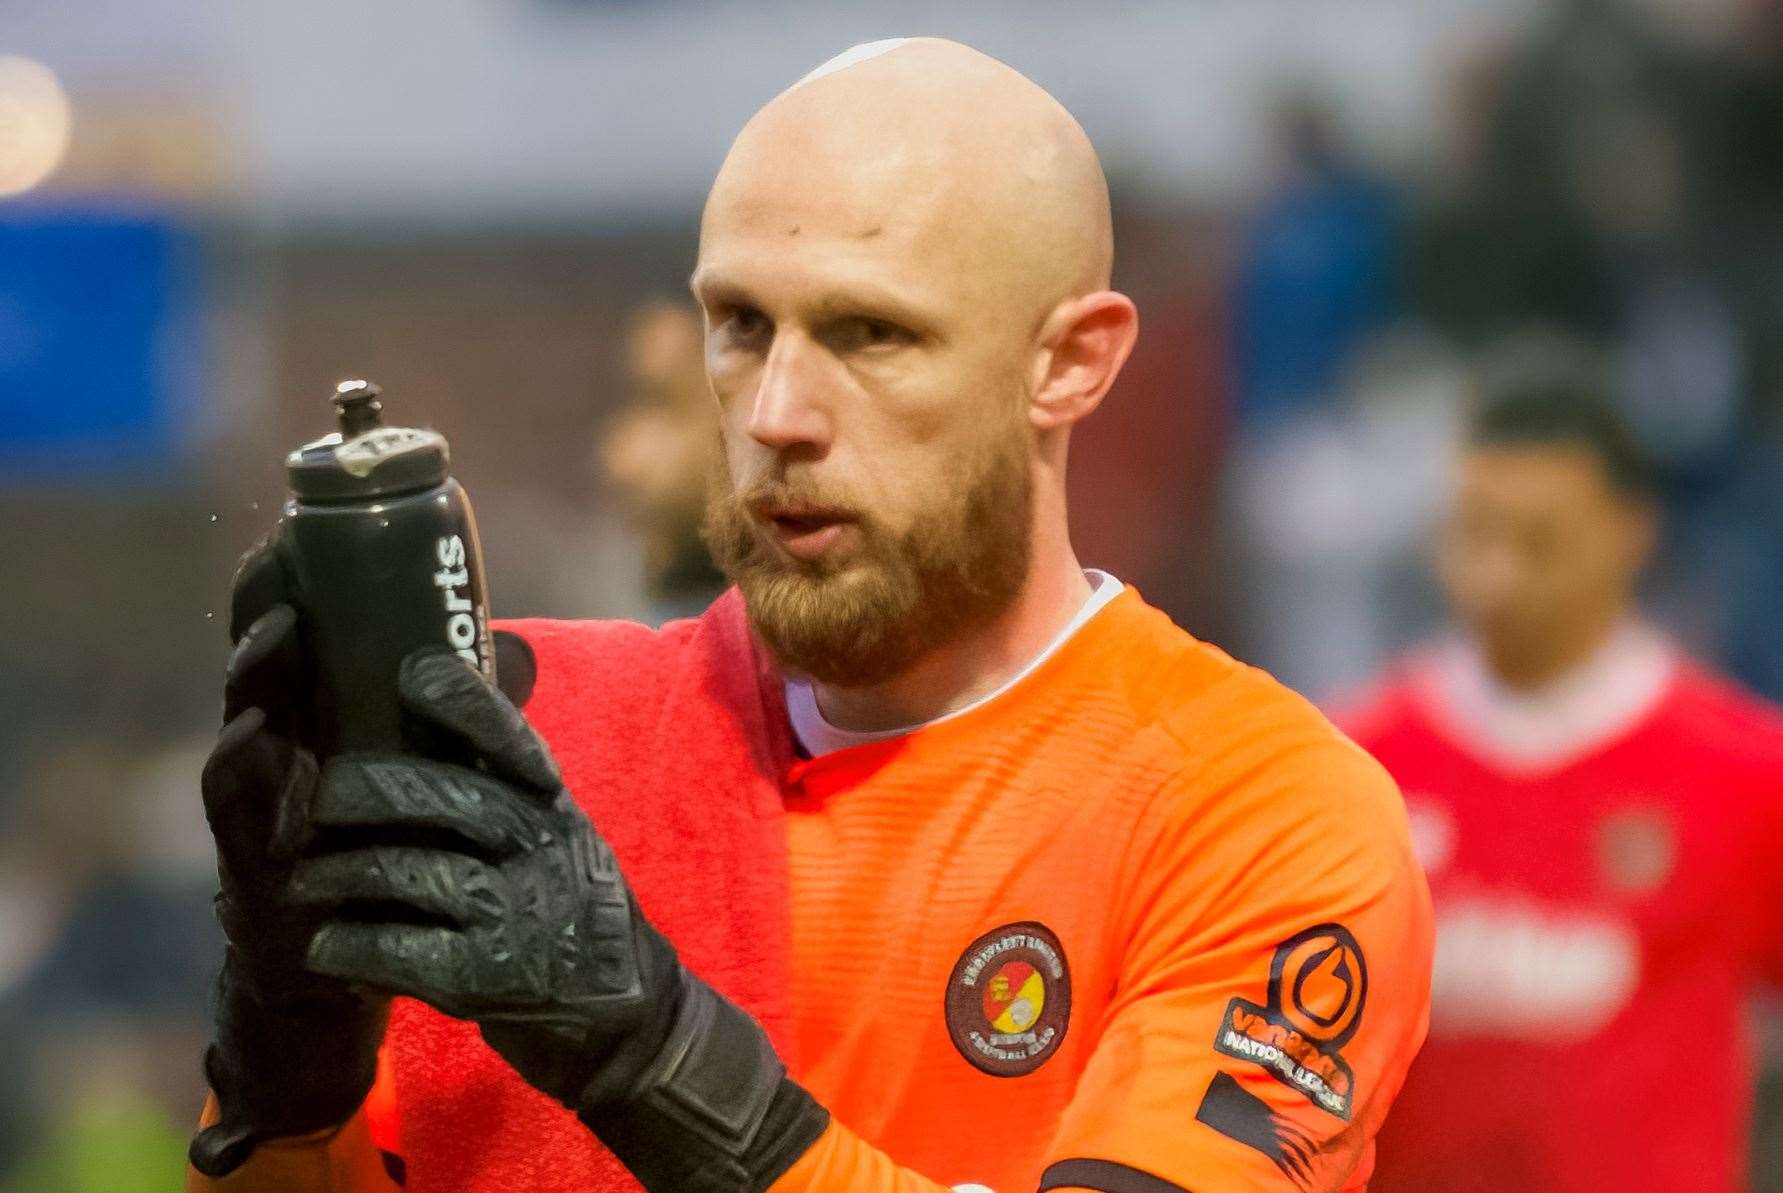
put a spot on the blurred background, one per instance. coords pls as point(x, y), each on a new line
point(210, 212)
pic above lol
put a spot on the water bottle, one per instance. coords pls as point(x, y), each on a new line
point(380, 547)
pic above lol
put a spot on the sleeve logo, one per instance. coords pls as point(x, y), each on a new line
point(1318, 986)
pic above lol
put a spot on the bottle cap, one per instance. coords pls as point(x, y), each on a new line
point(366, 459)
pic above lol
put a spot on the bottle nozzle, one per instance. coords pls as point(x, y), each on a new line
point(358, 406)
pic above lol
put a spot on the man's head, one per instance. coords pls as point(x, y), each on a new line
point(1552, 521)
point(904, 265)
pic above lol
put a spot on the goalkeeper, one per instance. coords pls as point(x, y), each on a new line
point(925, 857)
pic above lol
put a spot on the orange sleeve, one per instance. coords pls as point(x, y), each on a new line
point(348, 1159)
point(339, 1161)
point(840, 1159)
point(1267, 1006)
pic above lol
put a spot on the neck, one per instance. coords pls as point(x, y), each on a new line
point(956, 674)
point(1530, 668)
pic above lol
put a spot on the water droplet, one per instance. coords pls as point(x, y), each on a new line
point(209, 615)
point(255, 506)
point(213, 517)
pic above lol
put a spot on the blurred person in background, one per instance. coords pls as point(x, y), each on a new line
point(1316, 282)
point(660, 451)
point(1598, 814)
point(1337, 521)
point(1318, 269)
point(1617, 176)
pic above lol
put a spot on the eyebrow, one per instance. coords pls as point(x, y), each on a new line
point(707, 283)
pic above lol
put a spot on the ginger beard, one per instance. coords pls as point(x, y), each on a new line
point(862, 619)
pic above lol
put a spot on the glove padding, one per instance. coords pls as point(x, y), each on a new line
point(294, 1052)
point(491, 897)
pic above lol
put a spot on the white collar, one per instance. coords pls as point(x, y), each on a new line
point(1590, 706)
point(817, 737)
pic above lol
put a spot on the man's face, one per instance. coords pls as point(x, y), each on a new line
point(1539, 550)
point(876, 500)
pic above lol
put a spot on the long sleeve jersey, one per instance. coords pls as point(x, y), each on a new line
point(1143, 922)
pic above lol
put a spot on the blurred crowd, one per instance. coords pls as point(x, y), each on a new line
point(1614, 180)
point(1269, 470)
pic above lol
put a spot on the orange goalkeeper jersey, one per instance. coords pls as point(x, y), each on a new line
point(1144, 922)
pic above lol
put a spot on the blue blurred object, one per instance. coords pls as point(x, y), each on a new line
point(1317, 275)
point(100, 343)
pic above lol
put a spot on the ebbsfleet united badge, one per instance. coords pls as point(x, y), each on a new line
point(1009, 999)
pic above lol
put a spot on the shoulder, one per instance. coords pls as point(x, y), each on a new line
point(618, 645)
point(1721, 716)
point(1228, 722)
point(1207, 701)
point(693, 702)
point(1271, 822)
point(1255, 770)
point(1263, 768)
point(622, 664)
point(1385, 706)
point(600, 645)
point(1704, 692)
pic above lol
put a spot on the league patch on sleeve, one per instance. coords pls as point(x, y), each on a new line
point(1318, 986)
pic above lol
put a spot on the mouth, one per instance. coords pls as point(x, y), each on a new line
point(806, 532)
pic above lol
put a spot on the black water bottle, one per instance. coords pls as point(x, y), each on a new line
point(380, 546)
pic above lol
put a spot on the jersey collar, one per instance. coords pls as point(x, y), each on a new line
point(1590, 707)
point(817, 737)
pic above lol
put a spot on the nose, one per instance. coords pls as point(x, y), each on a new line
point(1493, 579)
point(790, 409)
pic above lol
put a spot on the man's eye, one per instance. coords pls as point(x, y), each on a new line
point(878, 331)
point(868, 333)
point(745, 325)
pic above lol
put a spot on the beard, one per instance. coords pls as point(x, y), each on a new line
point(863, 619)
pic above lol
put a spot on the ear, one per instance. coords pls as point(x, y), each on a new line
point(1083, 344)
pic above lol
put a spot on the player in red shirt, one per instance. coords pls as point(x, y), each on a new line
point(1597, 816)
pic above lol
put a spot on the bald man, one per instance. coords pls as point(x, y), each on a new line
point(1007, 882)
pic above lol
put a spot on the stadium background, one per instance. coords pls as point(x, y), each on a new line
point(1328, 214)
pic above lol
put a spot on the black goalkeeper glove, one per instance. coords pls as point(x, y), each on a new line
point(295, 1052)
point(496, 901)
